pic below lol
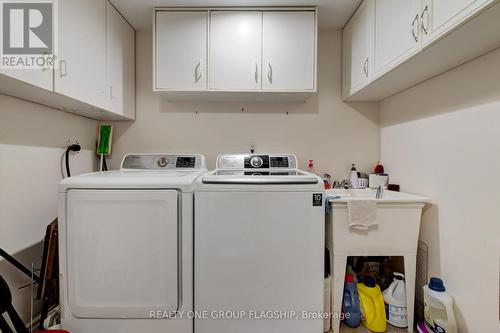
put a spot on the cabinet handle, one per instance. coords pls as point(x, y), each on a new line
point(365, 67)
point(425, 13)
point(63, 70)
point(111, 92)
point(198, 72)
point(415, 36)
point(269, 72)
point(256, 71)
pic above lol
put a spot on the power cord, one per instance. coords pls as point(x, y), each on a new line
point(75, 148)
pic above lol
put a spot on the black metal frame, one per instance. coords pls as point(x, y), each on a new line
point(20, 266)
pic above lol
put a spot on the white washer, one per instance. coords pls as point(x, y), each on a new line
point(259, 246)
point(125, 246)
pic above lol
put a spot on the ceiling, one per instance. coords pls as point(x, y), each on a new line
point(333, 14)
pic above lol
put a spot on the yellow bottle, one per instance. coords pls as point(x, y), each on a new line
point(372, 305)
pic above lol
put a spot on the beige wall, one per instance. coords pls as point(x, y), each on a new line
point(32, 143)
point(332, 133)
point(442, 139)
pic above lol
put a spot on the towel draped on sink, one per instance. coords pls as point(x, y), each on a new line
point(362, 214)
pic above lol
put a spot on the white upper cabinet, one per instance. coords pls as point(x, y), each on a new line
point(120, 63)
point(234, 54)
point(289, 46)
point(439, 16)
point(181, 50)
point(358, 49)
point(95, 71)
point(235, 50)
point(81, 73)
point(397, 32)
point(412, 41)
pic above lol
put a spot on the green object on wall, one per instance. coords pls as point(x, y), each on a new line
point(105, 135)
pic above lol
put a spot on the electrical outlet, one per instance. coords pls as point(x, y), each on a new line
point(70, 142)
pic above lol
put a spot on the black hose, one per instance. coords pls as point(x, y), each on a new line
point(104, 165)
point(75, 147)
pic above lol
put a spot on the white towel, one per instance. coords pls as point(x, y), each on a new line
point(362, 213)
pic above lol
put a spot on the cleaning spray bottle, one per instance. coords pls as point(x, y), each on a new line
point(310, 166)
point(395, 302)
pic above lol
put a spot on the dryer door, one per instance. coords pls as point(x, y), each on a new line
point(123, 252)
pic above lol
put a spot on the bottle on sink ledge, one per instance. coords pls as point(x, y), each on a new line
point(354, 177)
point(310, 166)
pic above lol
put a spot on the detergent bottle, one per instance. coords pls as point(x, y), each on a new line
point(372, 305)
point(395, 302)
point(350, 305)
point(438, 308)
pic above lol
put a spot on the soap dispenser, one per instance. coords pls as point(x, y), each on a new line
point(354, 177)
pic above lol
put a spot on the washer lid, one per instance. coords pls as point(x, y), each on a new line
point(262, 176)
point(118, 179)
point(160, 171)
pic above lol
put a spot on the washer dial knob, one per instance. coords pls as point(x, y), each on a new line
point(162, 162)
point(256, 162)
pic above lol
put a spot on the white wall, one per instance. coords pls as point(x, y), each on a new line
point(442, 139)
point(32, 143)
point(332, 133)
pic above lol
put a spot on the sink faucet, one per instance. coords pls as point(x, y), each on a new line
point(345, 184)
point(380, 192)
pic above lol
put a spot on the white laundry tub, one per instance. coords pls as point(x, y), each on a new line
point(395, 234)
point(398, 218)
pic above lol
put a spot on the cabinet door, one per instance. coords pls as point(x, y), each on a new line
point(181, 50)
point(288, 50)
point(120, 63)
point(397, 32)
point(235, 50)
point(42, 78)
point(81, 73)
point(358, 49)
point(440, 16)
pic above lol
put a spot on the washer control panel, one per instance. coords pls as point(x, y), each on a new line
point(163, 162)
point(256, 161)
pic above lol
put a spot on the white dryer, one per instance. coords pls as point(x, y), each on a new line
point(259, 247)
point(125, 246)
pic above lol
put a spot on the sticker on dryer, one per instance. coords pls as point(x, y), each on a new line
point(317, 199)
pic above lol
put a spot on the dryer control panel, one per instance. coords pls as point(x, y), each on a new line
point(163, 162)
point(256, 161)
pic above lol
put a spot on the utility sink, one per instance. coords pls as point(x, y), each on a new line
point(395, 233)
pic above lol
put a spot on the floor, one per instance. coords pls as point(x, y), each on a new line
point(362, 329)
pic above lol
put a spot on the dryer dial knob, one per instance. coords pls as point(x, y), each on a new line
point(162, 162)
point(256, 162)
